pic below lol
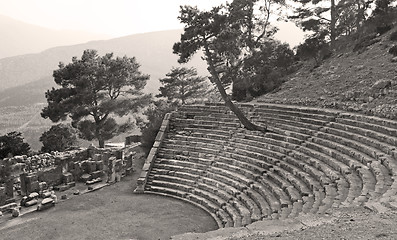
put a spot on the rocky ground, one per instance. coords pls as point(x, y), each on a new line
point(362, 81)
point(348, 223)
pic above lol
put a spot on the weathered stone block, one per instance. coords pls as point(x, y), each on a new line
point(61, 188)
point(31, 178)
point(33, 187)
point(160, 136)
point(119, 154)
point(95, 180)
point(97, 174)
point(99, 166)
point(43, 186)
point(86, 177)
point(8, 207)
point(67, 178)
point(97, 157)
point(90, 166)
point(146, 167)
point(71, 184)
point(118, 165)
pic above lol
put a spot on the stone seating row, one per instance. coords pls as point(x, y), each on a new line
point(368, 122)
point(387, 126)
point(236, 181)
point(246, 182)
point(379, 168)
point(389, 148)
point(301, 183)
point(315, 159)
point(357, 145)
point(236, 210)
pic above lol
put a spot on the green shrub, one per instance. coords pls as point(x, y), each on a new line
point(58, 138)
point(154, 117)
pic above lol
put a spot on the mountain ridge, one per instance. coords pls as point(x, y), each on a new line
point(154, 56)
point(19, 38)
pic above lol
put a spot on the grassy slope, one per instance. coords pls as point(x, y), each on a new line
point(345, 81)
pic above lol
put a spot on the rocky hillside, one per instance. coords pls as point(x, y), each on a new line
point(356, 79)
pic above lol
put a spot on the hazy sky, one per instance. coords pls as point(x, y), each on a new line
point(112, 17)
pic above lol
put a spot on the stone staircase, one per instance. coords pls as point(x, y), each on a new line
point(311, 161)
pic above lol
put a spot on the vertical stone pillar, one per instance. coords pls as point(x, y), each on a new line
point(111, 169)
point(10, 188)
point(2, 196)
point(23, 183)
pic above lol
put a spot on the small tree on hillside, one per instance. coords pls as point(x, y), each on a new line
point(12, 144)
point(182, 84)
point(59, 137)
point(93, 91)
point(313, 48)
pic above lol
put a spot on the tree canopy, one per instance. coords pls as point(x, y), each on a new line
point(182, 84)
point(12, 144)
point(59, 137)
point(94, 90)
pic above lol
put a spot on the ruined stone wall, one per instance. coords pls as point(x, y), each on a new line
point(52, 176)
point(38, 172)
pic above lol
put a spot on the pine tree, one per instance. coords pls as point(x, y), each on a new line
point(182, 84)
point(93, 91)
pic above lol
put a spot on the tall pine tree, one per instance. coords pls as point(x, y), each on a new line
point(93, 91)
point(182, 84)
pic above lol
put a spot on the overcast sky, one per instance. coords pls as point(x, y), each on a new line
point(115, 18)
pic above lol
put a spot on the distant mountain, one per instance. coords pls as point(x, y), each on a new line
point(28, 76)
point(28, 94)
point(19, 38)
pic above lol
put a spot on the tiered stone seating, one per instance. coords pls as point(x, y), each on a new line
point(310, 161)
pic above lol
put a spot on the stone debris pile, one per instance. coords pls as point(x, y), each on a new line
point(41, 175)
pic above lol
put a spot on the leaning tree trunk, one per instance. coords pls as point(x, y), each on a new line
point(333, 24)
point(101, 141)
point(240, 115)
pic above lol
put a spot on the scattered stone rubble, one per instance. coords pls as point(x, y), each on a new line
point(41, 175)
